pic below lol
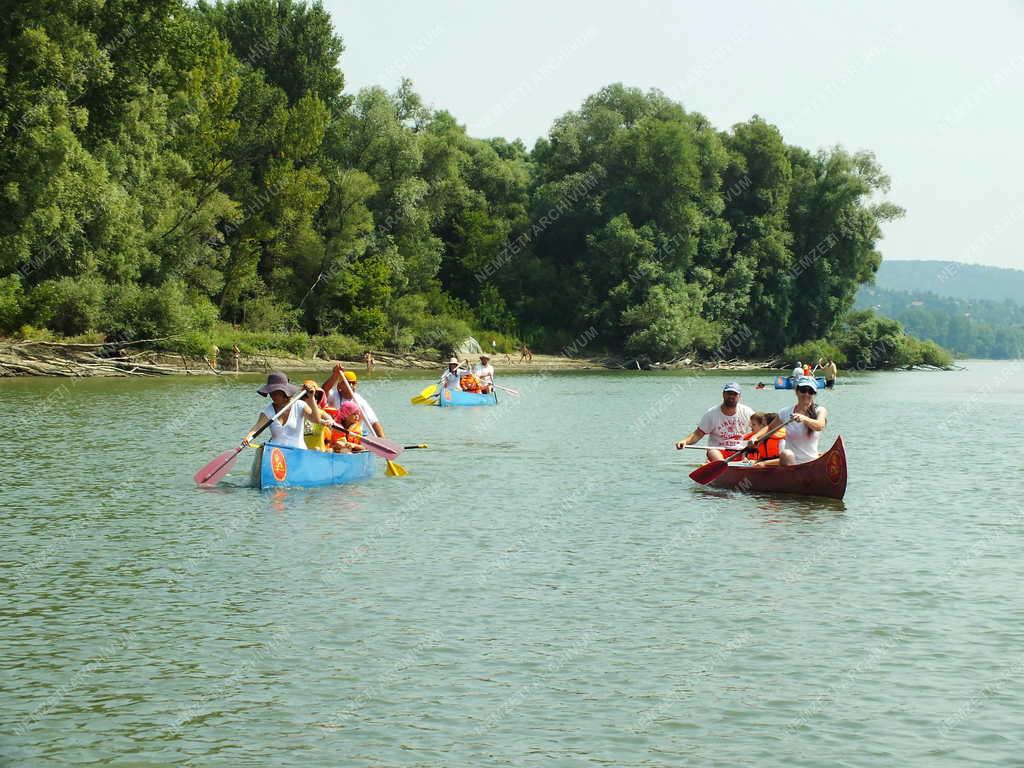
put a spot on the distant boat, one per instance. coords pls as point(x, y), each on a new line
point(451, 397)
point(786, 382)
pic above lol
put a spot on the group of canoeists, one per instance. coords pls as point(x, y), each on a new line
point(463, 377)
point(328, 417)
point(736, 432)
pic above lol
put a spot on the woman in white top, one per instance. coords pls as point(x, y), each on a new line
point(287, 429)
point(808, 420)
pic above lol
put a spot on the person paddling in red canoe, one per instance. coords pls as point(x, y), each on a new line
point(807, 419)
point(288, 429)
point(725, 425)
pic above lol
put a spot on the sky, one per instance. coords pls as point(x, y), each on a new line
point(935, 90)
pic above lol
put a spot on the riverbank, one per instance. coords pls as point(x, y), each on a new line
point(138, 358)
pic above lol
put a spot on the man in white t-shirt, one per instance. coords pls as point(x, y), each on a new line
point(485, 373)
point(725, 425)
point(798, 371)
point(335, 398)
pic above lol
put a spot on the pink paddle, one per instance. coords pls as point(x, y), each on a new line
point(214, 472)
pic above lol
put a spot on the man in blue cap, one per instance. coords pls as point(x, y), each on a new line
point(725, 425)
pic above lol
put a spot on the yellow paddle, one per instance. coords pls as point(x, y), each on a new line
point(395, 470)
point(424, 396)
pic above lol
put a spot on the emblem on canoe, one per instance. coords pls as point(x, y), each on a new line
point(834, 468)
point(278, 465)
point(447, 394)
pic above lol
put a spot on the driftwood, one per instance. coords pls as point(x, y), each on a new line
point(49, 358)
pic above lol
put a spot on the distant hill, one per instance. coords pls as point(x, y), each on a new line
point(966, 327)
point(953, 279)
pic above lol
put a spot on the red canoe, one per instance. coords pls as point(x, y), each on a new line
point(825, 476)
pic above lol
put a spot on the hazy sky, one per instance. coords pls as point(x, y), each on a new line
point(936, 90)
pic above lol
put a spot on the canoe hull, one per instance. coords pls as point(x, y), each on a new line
point(786, 382)
point(453, 397)
point(276, 466)
point(825, 476)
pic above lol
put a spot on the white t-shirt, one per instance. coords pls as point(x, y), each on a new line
point(797, 373)
point(800, 439)
point(334, 400)
point(450, 380)
point(726, 431)
point(288, 434)
point(485, 373)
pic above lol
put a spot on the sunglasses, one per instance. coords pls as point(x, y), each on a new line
point(805, 390)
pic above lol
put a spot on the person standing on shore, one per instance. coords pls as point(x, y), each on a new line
point(236, 355)
point(368, 359)
point(214, 354)
point(725, 425)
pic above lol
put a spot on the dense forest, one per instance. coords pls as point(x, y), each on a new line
point(966, 327)
point(200, 172)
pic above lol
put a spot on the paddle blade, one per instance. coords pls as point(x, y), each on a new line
point(705, 473)
point(420, 400)
point(215, 471)
point(379, 446)
point(396, 470)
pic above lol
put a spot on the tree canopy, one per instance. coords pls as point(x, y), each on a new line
point(167, 167)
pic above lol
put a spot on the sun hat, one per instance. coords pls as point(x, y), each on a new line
point(732, 386)
point(484, 356)
point(453, 360)
point(312, 386)
point(278, 382)
point(807, 381)
point(351, 376)
point(348, 408)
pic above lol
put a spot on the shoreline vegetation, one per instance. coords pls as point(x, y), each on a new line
point(146, 358)
point(198, 173)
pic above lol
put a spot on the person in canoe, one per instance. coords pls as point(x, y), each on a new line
point(318, 435)
point(288, 429)
point(451, 378)
point(725, 425)
point(807, 419)
point(484, 373)
point(768, 451)
point(336, 397)
point(798, 371)
point(349, 438)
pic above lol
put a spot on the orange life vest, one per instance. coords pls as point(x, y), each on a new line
point(469, 383)
point(769, 448)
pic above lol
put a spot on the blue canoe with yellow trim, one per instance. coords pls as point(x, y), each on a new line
point(450, 397)
point(277, 466)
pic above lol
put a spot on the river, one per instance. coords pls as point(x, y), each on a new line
point(546, 587)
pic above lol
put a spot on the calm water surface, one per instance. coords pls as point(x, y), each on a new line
point(546, 587)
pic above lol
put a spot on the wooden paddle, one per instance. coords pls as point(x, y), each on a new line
point(705, 473)
point(214, 471)
point(378, 445)
point(505, 389)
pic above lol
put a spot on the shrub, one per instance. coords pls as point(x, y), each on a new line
point(12, 303)
point(338, 346)
point(69, 305)
point(813, 351)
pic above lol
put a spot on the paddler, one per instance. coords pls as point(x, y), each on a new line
point(485, 373)
point(725, 425)
point(450, 378)
point(337, 394)
point(807, 419)
point(317, 436)
point(287, 430)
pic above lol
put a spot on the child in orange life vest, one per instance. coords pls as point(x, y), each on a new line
point(469, 383)
point(348, 439)
point(769, 449)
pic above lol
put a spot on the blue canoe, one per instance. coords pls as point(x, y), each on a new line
point(450, 397)
point(276, 466)
point(786, 382)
